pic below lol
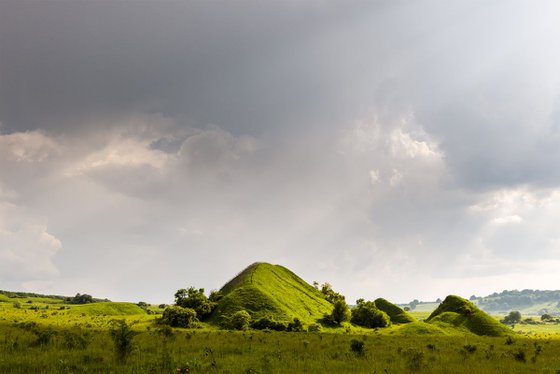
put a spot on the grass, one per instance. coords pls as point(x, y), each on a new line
point(273, 291)
point(77, 339)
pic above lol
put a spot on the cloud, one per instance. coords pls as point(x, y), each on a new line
point(27, 249)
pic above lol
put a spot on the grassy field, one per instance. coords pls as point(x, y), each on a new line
point(47, 336)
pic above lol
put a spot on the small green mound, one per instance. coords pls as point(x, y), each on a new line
point(108, 308)
point(464, 315)
point(395, 313)
point(271, 291)
point(418, 328)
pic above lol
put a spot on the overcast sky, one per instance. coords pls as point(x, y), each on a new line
point(397, 149)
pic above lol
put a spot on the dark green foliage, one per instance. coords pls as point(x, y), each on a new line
point(395, 313)
point(177, 316)
point(357, 347)
point(461, 313)
point(195, 299)
point(43, 336)
point(122, 335)
point(520, 355)
point(295, 326)
point(340, 313)
point(240, 320)
point(546, 318)
point(266, 323)
point(366, 314)
point(512, 318)
point(314, 327)
point(81, 299)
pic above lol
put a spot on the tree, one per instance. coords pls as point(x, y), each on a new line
point(438, 300)
point(340, 313)
point(366, 314)
point(546, 317)
point(512, 318)
point(196, 300)
point(177, 316)
point(81, 299)
point(330, 294)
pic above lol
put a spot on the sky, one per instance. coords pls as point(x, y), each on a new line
point(396, 149)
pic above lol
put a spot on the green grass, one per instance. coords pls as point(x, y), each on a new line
point(273, 291)
point(108, 308)
point(76, 339)
point(463, 315)
point(395, 313)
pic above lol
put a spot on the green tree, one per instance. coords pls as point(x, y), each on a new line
point(340, 313)
point(512, 318)
point(330, 294)
point(195, 299)
point(177, 316)
point(367, 314)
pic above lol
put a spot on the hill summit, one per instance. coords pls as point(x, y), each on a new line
point(266, 290)
point(462, 314)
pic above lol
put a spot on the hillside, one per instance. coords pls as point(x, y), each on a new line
point(528, 302)
point(395, 313)
point(463, 315)
point(273, 291)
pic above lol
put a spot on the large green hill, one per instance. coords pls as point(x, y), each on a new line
point(463, 315)
point(266, 290)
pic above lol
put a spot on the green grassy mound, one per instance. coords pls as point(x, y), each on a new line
point(463, 315)
point(107, 308)
point(419, 329)
point(266, 290)
point(395, 313)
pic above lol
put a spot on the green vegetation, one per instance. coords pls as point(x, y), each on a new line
point(52, 335)
point(366, 314)
point(272, 291)
point(462, 314)
point(395, 313)
point(528, 302)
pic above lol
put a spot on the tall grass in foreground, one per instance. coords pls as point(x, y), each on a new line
point(23, 349)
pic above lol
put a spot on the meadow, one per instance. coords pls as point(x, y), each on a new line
point(41, 335)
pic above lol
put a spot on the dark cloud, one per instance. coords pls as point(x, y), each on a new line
point(368, 144)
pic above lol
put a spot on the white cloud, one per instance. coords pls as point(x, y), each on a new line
point(27, 249)
point(29, 146)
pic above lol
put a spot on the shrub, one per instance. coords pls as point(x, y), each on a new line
point(177, 316)
point(366, 314)
point(266, 323)
point(122, 335)
point(17, 305)
point(195, 299)
point(314, 327)
point(240, 320)
point(295, 325)
point(357, 346)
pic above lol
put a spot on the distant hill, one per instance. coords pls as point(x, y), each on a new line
point(266, 290)
point(528, 302)
point(460, 313)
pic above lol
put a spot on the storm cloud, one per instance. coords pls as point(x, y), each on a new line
point(149, 146)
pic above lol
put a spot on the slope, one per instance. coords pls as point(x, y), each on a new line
point(395, 313)
point(463, 315)
point(266, 290)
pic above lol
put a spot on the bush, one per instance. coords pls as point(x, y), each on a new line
point(122, 335)
point(357, 346)
point(366, 314)
point(195, 299)
point(314, 327)
point(295, 325)
point(177, 316)
point(240, 320)
point(266, 323)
